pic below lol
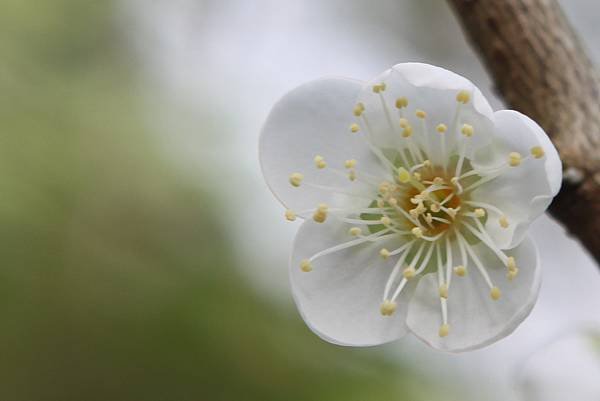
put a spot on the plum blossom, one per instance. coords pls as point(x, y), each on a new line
point(416, 198)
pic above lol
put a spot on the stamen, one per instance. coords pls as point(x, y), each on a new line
point(537, 152)
point(355, 231)
point(350, 163)
point(463, 97)
point(467, 130)
point(290, 215)
point(403, 175)
point(358, 109)
point(378, 236)
point(444, 330)
point(448, 262)
point(475, 260)
point(401, 102)
point(296, 179)
point(414, 260)
point(441, 128)
point(320, 162)
point(305, 265)
point(320, 214)
point(409, 272)
point(514, 159)
point(404, 250)
point(443, 291)
point(388, 308)
point(460, 271)
point(384, 253)
point(503, 222)
point(354, 128)
point(420, 114)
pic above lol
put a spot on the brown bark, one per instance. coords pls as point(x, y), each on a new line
point(541, 69)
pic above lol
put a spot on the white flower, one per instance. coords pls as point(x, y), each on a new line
point(417, 198)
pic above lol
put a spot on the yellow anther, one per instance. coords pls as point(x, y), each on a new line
point(409, 272)
point(460, 271)
point(350, 163)
point(354, 128)
point(384, 253)
point(510, 263)
point(355, 231)
point(358, 109)
point(290, 215)
point(503, 222)
point(296, 179)
point(512, 274)
point(407, 132)
point(427, 163)
point(379, 87)
point(393, 201)
point(463, 96)
point(417, 232)
point(429, 218)
point(320, 214)
point(495, 293)
point(320, 217)
point(417, 176)
point(514, 159)
point(305, 265)
point(444, 330)
point(443, 291)
point(386, 221)
point(388, 308)
point(420, 114)
point(479, 212)
point(403, 175)
point(537, 152)
point(441, 128)
point(403, 123)
point(320, 162)
point(467, 130)
point(380, 203)
point(352, 175)
point(401, 102)
point(438, 181)
point(435, 207)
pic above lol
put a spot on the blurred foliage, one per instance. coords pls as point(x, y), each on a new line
point(115, 283)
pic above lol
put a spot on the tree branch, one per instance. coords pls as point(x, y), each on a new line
point(540, 68)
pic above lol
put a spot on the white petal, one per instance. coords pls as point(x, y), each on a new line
point(523, 192)
point(432, 89)
point(340, 298)
point(311, 120)
point(475, 319)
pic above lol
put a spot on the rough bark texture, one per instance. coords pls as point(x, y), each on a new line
point(541, 69)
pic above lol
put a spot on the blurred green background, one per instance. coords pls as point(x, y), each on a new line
point(116, 281)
